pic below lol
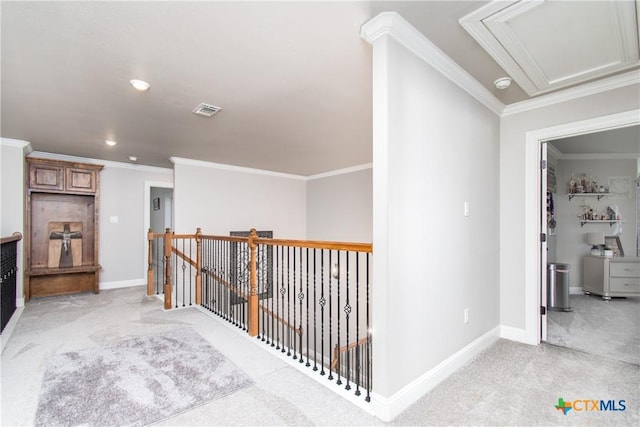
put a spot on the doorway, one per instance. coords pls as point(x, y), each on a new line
point(533, 266)
point(594, 165)
point(158, 212)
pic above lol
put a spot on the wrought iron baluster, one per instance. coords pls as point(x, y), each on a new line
point(339, 381)
point(315, 329)
point(357, 361)
point(293, 301)
point(307, 311)
point(330, 314)
point(347, 311)
point(300, 299)
point(368, 345)
point(322, 303)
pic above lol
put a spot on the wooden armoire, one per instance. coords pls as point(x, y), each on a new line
point(61, 227)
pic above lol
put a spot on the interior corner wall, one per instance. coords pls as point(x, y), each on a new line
point(220, 201)
point(12, 201)
point(514, 230)
point(339, 207)
point(122, 243)
point(435, 147)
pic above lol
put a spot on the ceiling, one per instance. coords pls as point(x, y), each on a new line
point(624, 140)
point(293, 78)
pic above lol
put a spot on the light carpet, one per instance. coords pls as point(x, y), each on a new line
point(136, 382)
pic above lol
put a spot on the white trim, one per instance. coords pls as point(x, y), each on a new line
point(576, 290)
point(513, 334)
point(599, 156)
point(106, 163)
point(330, 385)
point(20, 302)
point(394, 25)
point(553, 152)
point(587, 89)
point(532, 203)
point(211, 165)
point(122, 284)
point(11, 325)
point(340, 172)
point(387, 408)
point(17, 143)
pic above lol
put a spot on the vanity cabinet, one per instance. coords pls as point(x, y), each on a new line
point(61, 227)
point(611, 277)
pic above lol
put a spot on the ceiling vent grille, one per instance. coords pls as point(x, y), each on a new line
point(206, 110)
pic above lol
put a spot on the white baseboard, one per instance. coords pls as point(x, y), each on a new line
point(575, 290)
point(122, 284)
point(513, 334)
point(8, 330)
point(387, 408)
point(20, 302)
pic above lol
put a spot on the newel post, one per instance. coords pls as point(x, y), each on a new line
point(168, 289)
point(253, 283)
point(150, 261)
point(198, 266)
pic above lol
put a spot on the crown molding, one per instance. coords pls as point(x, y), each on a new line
point(621, 80)
point(340, 172)
point(106, 163)
point(394, 25)
point(232, 168)
point(17, 143)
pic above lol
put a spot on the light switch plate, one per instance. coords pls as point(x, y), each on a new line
point(114, 219)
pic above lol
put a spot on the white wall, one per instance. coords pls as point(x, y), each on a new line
point(220, 199)
point(339, 207)
point(518, 163)
point(122, 244)
point(435, 147)
point(571, 236)
point(12, 199)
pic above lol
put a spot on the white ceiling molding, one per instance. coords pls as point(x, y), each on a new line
point(621, 80)
point(105, 163)
point(340, 172)
point(546, 46)
point(394, 25)
point(242, 169)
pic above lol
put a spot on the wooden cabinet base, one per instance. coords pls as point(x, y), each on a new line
point(64, 283)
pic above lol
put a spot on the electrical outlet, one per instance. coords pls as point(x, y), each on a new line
point(466, 315)
point(467, 210)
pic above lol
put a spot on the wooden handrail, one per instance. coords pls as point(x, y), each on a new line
point(318, 244)
point(180, 254)
point(337, 350)
point(16, 236)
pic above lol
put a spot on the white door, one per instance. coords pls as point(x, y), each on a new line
point(544, 201)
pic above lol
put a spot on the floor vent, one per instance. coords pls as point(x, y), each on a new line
point(206, 110)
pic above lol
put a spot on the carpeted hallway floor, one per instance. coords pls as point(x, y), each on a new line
point(508, 384)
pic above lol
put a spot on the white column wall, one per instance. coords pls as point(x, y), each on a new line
point(435, 148)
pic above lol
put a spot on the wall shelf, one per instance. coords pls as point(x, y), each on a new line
point(598, 195)
point(603, 221)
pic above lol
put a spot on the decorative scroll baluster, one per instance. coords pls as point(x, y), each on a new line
point(368, 345)
point(330, 313)
point(358, 379)
point(322, 303)
point(315, 329)
point(307, 332)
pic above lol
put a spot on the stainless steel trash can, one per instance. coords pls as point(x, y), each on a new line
point(558, 286)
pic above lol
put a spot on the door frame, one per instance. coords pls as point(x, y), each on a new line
point(533, 205)
point(147, 217)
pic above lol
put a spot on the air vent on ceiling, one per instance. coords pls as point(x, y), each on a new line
point(206, 110)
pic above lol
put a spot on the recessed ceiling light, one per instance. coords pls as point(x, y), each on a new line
point(110, 142)
point(502, 83)
point(133, 158)
point(140, 85)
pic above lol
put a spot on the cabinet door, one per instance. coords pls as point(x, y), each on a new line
point(81, 180)
point(46, 177)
